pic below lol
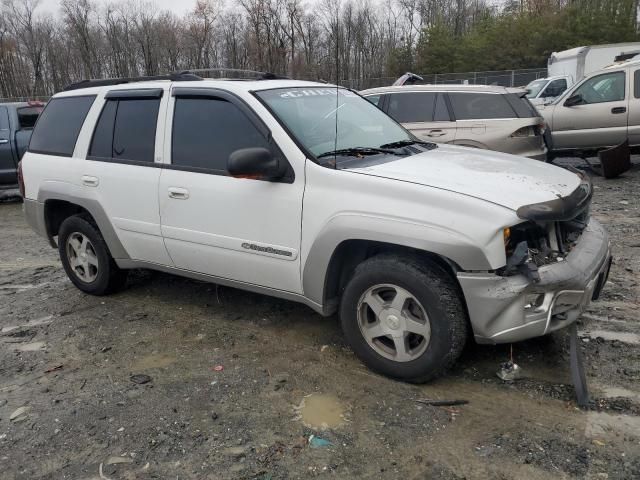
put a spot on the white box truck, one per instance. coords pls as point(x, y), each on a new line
point(580, 61)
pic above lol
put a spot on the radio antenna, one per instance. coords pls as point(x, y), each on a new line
point(335, 158)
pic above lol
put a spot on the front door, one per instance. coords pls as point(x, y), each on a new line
point(241, 229)
point(599, 120)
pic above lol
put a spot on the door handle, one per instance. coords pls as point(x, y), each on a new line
point(90, 181)
point(618, 109)
point(178, 193)
point(435, 133)
point(3, 141)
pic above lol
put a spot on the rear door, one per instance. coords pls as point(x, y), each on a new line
point(425, 114)
point(7, 158)
point(634, 107)
point(121, 171)
point(600, 120)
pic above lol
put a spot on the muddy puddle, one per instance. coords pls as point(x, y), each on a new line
point(321, 411)
point(149, 362)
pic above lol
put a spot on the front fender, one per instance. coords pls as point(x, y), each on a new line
point(467, 252)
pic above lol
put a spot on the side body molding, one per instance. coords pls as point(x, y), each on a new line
point(454, 246)
point(60, 191)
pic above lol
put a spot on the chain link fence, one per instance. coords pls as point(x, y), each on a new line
point(504, 78)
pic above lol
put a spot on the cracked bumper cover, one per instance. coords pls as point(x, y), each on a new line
point(498, 305)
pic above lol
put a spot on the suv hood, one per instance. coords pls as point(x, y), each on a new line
point(506, 180)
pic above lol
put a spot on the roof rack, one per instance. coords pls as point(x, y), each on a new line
point(103, 82)
point(248, 74)
point(185, 75)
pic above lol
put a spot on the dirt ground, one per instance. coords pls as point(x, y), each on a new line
point(70, 408)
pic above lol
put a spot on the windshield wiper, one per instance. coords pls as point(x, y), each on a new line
point(358, 151)
point(406, 143)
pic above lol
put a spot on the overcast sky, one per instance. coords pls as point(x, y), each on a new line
point(177, 6)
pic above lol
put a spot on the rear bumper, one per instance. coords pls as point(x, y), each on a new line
point(500, 309)
point(34, 215)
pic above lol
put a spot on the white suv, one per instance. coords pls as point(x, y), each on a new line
point(310, 193)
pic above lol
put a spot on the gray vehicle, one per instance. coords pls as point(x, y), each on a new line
point(479, 116)
point(16, 124)
point(600, 111)
point(545, 90)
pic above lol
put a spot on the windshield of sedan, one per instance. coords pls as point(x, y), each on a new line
point(535, 87)
point(327, 120)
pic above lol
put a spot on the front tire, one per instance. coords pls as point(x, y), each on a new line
point(404, 317)
point(86, 258)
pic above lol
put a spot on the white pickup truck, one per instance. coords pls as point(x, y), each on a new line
point(310, 193)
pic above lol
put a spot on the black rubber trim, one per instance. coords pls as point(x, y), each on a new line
point(55, 154)
point(560, 209)
point(124, 161)
point(134, 94)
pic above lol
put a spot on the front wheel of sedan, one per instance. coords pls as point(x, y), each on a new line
point(404, 317)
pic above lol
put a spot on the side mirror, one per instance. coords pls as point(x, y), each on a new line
point(573, 100)
point(254, 163)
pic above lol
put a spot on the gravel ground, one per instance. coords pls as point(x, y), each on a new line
point(238, 383)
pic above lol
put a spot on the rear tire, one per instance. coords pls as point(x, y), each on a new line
point(404, 317)
point(86, 258)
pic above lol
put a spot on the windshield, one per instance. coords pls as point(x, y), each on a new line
point(328, 119)
point(535, 87)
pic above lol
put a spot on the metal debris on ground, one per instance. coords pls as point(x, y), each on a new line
point(509, 372)
point(54, 369)
point(317, 442)
point(140, 378)
point(442, 403)
point(19, 414)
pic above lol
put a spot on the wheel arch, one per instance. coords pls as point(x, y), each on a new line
point(337, 251)
point(59, 206)
point(350, 253)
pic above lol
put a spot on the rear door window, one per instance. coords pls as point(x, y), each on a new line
point(412, 107)
point(472, 106)
point(59, 125)
point(206, 131)
point(126, 130)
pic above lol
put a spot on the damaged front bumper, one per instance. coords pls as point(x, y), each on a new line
point(512, 308)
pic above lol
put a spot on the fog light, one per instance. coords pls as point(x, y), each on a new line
point(533, 301)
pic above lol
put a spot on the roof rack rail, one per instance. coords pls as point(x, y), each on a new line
point(255, 74)
point(103, 82)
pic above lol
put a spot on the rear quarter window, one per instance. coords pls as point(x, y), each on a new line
point(472, 105)
point(27, 116)
point(59, 124)
point(521, 105)
point(636, 84)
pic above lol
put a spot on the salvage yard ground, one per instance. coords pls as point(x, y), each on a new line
point(174, 378)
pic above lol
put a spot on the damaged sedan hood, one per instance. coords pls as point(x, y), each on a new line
point(506, 180)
